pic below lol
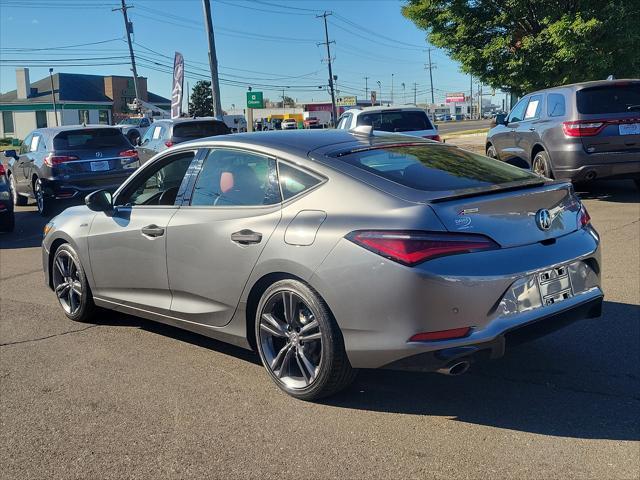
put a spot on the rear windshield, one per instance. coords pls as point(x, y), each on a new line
point(90, 138)
point(435, 168)
point(199, 129)
point(609, 99)
point(396, 121)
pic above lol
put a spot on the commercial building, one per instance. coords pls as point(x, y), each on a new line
point(78, 99)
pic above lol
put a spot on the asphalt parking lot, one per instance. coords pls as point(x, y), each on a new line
point(127, 398)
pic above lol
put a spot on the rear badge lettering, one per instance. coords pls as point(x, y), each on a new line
point(463, 223)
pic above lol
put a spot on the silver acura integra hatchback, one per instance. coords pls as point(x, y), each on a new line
point(331, 251)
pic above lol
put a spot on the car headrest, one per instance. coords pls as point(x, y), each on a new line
point(226, 181)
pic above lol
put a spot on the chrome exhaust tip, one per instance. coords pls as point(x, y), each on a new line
point(455, 369)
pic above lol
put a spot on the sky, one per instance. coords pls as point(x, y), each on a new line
point(268, 44)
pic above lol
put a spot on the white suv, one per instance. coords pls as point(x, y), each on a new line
point(407, 120)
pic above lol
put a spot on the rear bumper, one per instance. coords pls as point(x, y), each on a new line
point(67, 188)
point(576, 164)
point(494, 348)
point(627, 169)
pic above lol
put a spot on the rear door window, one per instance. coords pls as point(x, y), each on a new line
point(199, 129)
point(294, 181)
point(90, 139)
point(609, 99)
point(555, 105)
point(430, 168)
point(534, 107)
point(396, 120)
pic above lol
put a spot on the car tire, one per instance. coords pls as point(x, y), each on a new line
point(541, 164)
point(301, 347)
point(70, 285)
point(43, 203)
point(7, 222)
point(491, 152)
point(19, 200)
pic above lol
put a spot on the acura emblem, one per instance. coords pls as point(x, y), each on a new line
point(543, 219)
point(98, 154)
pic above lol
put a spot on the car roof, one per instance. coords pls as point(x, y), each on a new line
point(189, 120)
point(384, 108)
point(302, 142)
point(593, 83)
point(65, 128)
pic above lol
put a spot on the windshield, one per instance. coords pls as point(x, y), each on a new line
point(435, 167)
point(130, 121)
point(90, 139)
point(609, 99)
point(199, 129)
point(396, 120)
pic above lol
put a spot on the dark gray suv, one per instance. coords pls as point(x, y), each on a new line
point(579, 132)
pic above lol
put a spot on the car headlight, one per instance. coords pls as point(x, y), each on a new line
point(5, 196)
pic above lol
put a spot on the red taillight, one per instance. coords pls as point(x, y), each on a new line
point(582, 129)
point(433, 137)
point(52, 160)
point(583, 217)
point(413, 247)
point(2, 170)
point(441, 335)
point(129, 154)
point(169, 143)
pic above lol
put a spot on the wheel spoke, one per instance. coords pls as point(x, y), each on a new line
point(62, 289)
point(73, 303)
point(76, 287)
point(302, 368)
point(308, 365)
point(285, 362)
point(289, 306)
point(309, 326)
point(277, 362)
point(272, 326)
point(313, 336)
point(60, 266)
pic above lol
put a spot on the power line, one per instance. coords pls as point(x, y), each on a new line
point(21, 49)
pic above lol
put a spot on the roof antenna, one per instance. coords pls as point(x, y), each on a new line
point(611, 77)
point(362, 130)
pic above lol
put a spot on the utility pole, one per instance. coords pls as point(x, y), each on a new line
point(404, 96)
point(213, 60)
point(53, 96)
point(283, 107)
point(128, 26)
point(470, 97)
point(392, 89)
point(327, 42)
point(366, 88)
point(480, 104)
point(415, 94)
point(431, 66)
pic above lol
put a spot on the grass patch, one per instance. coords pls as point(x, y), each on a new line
point(464, 132)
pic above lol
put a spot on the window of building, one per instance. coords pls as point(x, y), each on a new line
point(236, 178)
point(41, 119)
point(83, 116)
point(7, 122)
point(103, 117)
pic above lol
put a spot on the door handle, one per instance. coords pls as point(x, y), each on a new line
point(246, 237)
point(532, 129)
point(153, 230)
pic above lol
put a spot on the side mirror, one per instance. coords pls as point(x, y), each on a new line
point(138, 141)
point(99, 201)
point(500, 119)
point(10, 154)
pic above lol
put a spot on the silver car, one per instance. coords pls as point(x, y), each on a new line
point(331, 251)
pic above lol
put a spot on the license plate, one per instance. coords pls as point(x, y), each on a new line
point(100, 166)
point(629, 128)
point(555, 285)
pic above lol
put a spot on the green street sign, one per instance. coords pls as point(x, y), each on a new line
point(254, 100)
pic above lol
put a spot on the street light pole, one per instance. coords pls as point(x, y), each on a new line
point(380, 91)
point(366, 88)
point(53, 96)
point(392, 89)
point(404, 96)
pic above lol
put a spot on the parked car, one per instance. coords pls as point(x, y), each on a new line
point(167, 133)
point(7, 216)
point(311, 122)
point(134, 128)
point(61, 163)
point(236, 123)
point(331, 250)
point(578, 132)
point(407, 120)
point(289, 124)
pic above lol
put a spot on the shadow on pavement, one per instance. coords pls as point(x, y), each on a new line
point(580, 382)
point(621, 191)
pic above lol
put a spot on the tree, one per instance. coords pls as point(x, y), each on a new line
point(201, 101)
point(524, 45)
point(288, 102)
